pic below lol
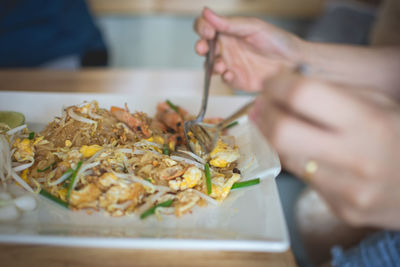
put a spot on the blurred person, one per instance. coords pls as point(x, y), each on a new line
point(343, 141)
point(251, 52)
point(49, 33)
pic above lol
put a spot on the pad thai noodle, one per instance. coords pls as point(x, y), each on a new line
point(119, 162)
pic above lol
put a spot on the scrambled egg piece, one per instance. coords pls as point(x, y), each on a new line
point(88, 151)
point(121, 193)
point(68, 155)
point(24, 175)
point(220, 190)
point(223, 155)
point(107, 179)
point(190, 179)
point(39, 141)
point(62, 194)
point(24, 150)
point(68, 143)
point(86, 197)
point(156, 139)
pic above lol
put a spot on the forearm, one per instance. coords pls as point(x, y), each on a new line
point(377, 67)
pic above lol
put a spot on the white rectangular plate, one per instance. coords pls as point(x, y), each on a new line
point(250, 219)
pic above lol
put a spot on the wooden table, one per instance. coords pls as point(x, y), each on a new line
point(122, 81)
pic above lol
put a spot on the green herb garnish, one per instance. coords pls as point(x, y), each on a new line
point(68, 172)
point(31, 135)
point(230, 125)
point(152, 210)
point(165, 150)
point(208, 178)
point(246, 183)
point(48, 167)
point(73, 178)
point(53, 198)
point(174, 107)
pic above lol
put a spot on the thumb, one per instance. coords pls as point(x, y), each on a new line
point(238, 26)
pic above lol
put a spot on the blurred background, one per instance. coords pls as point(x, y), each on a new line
point(158, 35)
point(154, 34)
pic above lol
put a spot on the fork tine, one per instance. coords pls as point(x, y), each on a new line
point(203, 136)
point(205, 132)
point(201, 139)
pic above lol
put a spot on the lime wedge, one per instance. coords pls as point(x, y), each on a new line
point(12, 118)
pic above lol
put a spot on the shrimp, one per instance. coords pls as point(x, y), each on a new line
point(169, 117)
point(158, 127)
point(174, 140)
point(134, 121)
point(171, 172)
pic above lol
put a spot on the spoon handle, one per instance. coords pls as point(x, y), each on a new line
point(242, 111)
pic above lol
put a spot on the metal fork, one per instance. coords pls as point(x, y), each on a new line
point(208, 134)
point(188, 125)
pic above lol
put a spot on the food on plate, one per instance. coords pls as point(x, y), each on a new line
point(119, 162)
point(11, 119)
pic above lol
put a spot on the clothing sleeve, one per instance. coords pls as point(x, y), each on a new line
point(382, 249)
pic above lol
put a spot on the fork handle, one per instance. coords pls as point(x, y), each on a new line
point(207, 79)
point(242, 111)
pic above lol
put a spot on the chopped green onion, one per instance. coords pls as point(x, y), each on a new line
point(208, 178)
point(230, 125)
point(31, 135)
point(174, 107)
point(53, 198)
point(152, 210)
point(165, 150)
point(73, 177)
point(48, 167)
point(68, 172)
point(43, 170)
point(246, 183)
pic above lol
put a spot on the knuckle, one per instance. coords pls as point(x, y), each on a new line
point(362, 168)
point(351, 217)
point(362, 199)
point(360, 202)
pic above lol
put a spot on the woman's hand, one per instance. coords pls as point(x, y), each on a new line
point(249, 50)
point(353, 137)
